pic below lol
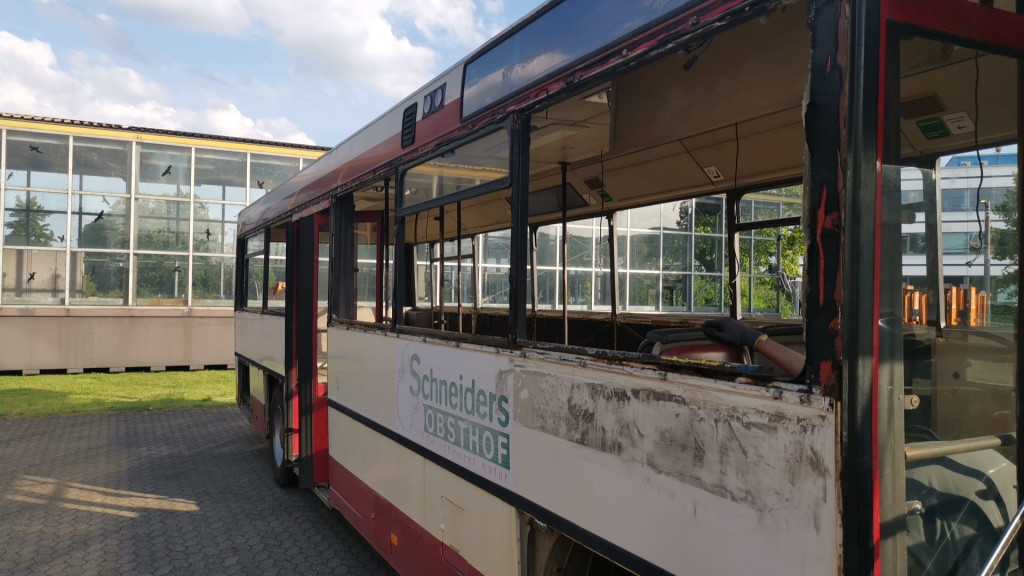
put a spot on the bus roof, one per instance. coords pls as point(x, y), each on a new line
point(548, 41)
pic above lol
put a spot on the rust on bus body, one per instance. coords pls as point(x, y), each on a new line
point(825, 128)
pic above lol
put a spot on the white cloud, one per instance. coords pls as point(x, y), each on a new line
point(444, 20)
point(349, 41)
point(352, 43)
point(225, 118)
point(220, 17)
point(33, 82)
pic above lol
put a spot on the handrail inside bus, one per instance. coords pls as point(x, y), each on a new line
point(1004, 543)
point(927, 450)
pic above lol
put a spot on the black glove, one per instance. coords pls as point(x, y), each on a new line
point(731, 331)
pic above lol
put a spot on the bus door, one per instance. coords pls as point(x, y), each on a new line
point(307, 335)
point(948, 381)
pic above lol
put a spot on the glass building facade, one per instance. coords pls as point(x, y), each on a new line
point(670, 257)
point(108, 216)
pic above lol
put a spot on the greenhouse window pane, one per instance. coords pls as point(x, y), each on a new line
point(34, 276)
point(161, 279)
point(548, 245)
point(675, 256)
point(99, 221)
point(709, 215)
point(268, 172)
point(220, 175)
point(675, 292)
point(101, 165)
point(213, 281)
point(707, 293)
point(163, 170)
point(643, 291)
point(35, 218)
point(99, 278)
point(581, 246)
point(215, 227)
point(37, 160)
point(644, 251)
point(161, 225)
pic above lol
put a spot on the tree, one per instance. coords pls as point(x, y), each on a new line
point(1004, 242)
point(27, 224)
point(764, 260)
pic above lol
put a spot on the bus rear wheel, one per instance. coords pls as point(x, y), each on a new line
point(284, 474)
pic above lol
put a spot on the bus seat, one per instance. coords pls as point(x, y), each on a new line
point(691, 342)
point(420, 318)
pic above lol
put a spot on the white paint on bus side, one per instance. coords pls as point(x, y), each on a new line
point(260, 338)
point(692, 474)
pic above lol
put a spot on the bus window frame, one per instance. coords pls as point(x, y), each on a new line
point(403, 291)
point(243, 295)
point(402, 211)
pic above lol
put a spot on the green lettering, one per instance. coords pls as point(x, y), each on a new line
point(414, 361)
point(481, 404)
point(503, 411)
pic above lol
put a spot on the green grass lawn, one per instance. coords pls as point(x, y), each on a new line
point(71, 393)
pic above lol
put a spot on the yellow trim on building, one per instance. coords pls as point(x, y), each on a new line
point(142, 135)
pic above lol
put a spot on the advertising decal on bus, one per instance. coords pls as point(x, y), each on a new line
point(458, 405)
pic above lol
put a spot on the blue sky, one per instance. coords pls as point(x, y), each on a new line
point(308, 71)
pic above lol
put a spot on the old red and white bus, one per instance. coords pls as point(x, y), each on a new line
point(474, 326)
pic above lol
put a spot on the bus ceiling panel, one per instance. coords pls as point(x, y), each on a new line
point(679, 96)
point(770, 150)
point(555, 142)
point(591, 107)
point(937, 99)
point(372, 197)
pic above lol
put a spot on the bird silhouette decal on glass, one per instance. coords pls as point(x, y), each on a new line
point(208, 234)
point(166, 171)
point(99, 216)
point(31, 277)
point(260, 184)
point(177, 268)
point(105, 201)
point(61, 239)
point(10, 175)
point(35, 149)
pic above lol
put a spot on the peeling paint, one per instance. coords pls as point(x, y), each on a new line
point(755, 456)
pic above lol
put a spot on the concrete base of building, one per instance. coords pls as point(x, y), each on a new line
point(76, 340)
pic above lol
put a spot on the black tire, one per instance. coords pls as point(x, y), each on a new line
point(284, 474)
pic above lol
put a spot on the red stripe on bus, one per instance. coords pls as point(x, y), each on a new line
point(962, 19)
point(407, 546)
point(876, 292)
point(427, 130)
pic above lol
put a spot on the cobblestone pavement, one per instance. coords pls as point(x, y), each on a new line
point(172, 492)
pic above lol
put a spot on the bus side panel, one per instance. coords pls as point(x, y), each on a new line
point(258, 399)
point(421, 518)
point(260, 340)
point(699, 478)
point(690, 474)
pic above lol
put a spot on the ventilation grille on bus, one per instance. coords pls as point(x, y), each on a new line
point(409, 125)
point(927, 105)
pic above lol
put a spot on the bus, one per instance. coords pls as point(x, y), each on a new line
point(476, 327)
